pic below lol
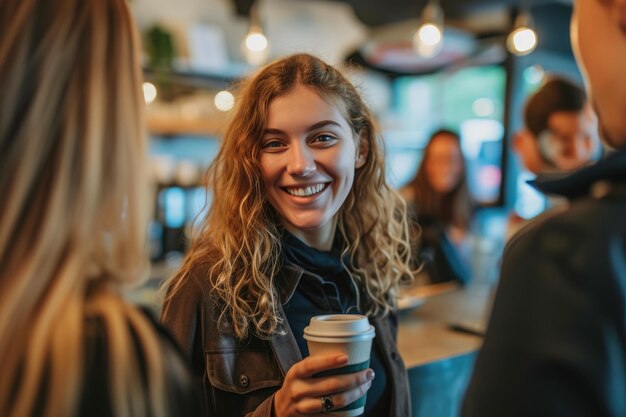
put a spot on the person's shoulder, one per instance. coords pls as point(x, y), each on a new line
point(100, 345)
point(96, 388)
point(191, 282)
point(584, 239)
point(167, 342)
point(407, 193)
point(589, 218)
point(528, 229)
point(97, 337)
point(580, 221)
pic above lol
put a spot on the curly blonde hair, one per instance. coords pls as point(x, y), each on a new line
point(241, 236)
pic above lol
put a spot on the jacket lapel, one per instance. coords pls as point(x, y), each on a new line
point(284, 346)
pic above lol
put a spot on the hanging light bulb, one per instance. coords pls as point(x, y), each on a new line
point(523, 39)
point(428, 39)
point(255, 46)
point(224, 100)
point(256, 41)
point(149, 92)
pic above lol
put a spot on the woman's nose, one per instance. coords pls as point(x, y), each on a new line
point(301, 162)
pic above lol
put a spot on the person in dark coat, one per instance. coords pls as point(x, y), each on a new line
point(556, 342)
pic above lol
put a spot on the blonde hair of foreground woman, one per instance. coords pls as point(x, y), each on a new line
point(241, 236)
point(72, 224)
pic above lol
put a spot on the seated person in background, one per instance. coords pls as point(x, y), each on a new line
point(556, 342)
point(74, 217)
point(440, 205)
point(559, 135)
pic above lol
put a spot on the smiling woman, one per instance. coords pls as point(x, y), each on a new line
point(303, 223)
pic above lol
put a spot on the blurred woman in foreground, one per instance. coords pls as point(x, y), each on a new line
point(72, 228)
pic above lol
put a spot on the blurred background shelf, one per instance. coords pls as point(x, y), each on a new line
point(177, 126)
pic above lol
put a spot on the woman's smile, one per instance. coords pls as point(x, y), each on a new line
point(306, 191)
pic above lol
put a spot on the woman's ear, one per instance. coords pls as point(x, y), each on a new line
point(619, 11)
point(361, 156)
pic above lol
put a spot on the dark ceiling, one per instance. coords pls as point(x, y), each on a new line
point(551, 21)
point(375, 13)
point(381, 12)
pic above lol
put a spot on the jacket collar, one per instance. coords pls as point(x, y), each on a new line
point(578, 184)
point(287, 280)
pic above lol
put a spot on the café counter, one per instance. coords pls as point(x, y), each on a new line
point(439, 341)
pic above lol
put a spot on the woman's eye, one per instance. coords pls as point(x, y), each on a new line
point(272, 144)
point(324, 138)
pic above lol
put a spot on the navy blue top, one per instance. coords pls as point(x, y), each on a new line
point(329, 291)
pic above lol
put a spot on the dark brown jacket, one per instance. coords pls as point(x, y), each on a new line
point(241, 377)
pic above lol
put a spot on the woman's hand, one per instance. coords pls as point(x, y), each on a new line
point(301, 394)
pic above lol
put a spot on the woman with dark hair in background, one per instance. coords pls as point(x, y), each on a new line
point(439, 198)
point(74, 216)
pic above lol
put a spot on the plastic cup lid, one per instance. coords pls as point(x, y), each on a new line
point(339, 325)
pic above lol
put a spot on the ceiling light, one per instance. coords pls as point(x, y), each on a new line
point(256, 41)
point(483, 107)
point(523, 39)
point(149, 92)
point(534, 74)
point(224, 100)
point(255, 46)
point(428, 39)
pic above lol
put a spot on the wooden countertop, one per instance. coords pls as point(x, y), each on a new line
point(425, 334)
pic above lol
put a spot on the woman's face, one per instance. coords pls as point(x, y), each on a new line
point(308, 159)
point(444, 163)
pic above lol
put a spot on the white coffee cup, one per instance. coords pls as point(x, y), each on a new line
point(349, 334)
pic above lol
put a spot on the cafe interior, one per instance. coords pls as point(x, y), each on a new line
point(422, 65)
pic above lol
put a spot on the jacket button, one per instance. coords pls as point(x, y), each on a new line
point(244, 381)
point(394, 356)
